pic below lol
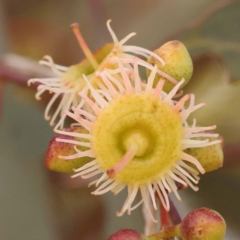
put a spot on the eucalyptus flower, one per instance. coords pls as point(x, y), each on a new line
point(136, 135)
point(69, 80)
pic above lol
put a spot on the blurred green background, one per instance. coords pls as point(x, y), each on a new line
point(38, 204)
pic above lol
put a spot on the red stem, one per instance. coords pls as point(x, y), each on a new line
point(173, 214)
point(165, 223)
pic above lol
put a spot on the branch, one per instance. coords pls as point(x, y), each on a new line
point(173, 213)
point(19, 70)
point(215, 7)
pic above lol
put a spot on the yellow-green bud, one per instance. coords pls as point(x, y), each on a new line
point(202, 224)
point(211, 157)
point(74, 75)
point(178, 63)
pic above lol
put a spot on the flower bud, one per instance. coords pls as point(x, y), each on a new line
point(202, 224)
point(126, 234)
point(211, 157)
point(178, 63)
point(57, 150)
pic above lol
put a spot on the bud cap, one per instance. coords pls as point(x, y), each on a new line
point(203, 224)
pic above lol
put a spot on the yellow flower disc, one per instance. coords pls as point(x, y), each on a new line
point(143, 121)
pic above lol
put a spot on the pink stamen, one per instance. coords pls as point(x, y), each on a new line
point(151, 79)
point(79, 119)
point(158, 89)
point(126, 79)
point(174, 91)
point(94, 107)
point(136, 77)
point(122, 164)
point(84, 113)
point(179, 94)
point(109, 85)
point(185, 113)
point(181, 103)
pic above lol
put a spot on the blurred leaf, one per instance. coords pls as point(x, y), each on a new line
point(1, 99)
point(219, 34)
point(211, 84)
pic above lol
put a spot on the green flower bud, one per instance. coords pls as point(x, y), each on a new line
point(178, 63)
point(211, 157)
point(74, 74)
point(202, 224)
point(57, 150)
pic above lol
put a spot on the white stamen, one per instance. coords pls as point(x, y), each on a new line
point(177, 179)
point(185, 114)
point(187, 167)
point(149, 186)
point(151, 80)
point(105, 184)
point(114, 38)
point(187, 180)
point(92, 174)
point(89, 175)
point(165, 184)
point(137, 205)
point(186, 174)
point(144, 197)
point(102, 178)
point(193, 160)
point(173, 187)
point(86, 166)
point(165, 203)
point(139, 50)
point(46, 113)
point(84, 144)
point(124, 40)
point(107, 189)
point(199, 129)
point(52, 65)
point(115, 81)
point(59, 67)
point(58, 110)
point(131, 196)
point(84, 113)
point(118, 188)
point(99, 99)
point(88, 153)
